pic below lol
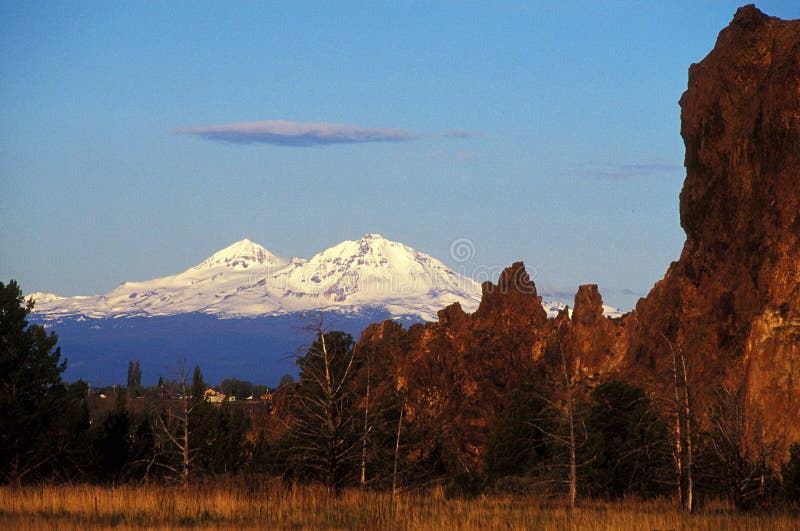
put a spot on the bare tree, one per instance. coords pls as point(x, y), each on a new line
point(743, 457)
point(177, 431)
point(683, 453)
point(367, 428)
point(573, 465)
point(397, 447)
point(566, 418)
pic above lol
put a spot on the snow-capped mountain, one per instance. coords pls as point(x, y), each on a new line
point(245, 279)
point(375, 271)
point(191, 315)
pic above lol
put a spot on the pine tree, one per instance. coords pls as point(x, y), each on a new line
point(323, 411)
point(198, 387)
point(32, 396)
point(629, 446)
point(134, 378)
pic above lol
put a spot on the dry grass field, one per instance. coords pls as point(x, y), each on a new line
point(236, 507)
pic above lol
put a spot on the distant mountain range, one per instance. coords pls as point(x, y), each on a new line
point(240, 312)
point(246, 280)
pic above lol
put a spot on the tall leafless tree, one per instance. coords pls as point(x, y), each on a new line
point(573, 465)
point(397, 448)
point(565, 432)
point(367, 427)
point(177, 431)
point(683, 453)
point(743, 456)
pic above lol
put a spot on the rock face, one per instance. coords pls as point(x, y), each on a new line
point(732, 301)
point(730, 304)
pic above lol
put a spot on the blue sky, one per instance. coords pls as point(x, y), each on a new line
point(541, 131)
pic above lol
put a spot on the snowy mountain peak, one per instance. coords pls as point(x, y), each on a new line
point(245, 279)
point(371, 255)
point(241, 255)
point(375, 271)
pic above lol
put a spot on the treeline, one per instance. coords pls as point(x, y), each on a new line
point(51, 430)
point(354, 419)
point(357, 418)
point(233, 388)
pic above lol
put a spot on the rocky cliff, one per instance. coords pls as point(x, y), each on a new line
point(730, 305)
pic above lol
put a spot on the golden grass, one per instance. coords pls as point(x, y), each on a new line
point(237, 507)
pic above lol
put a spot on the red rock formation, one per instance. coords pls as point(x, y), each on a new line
point(730, 304)
point(598, 343)
point(732, 301)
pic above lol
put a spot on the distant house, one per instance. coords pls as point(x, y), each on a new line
point(214, 396)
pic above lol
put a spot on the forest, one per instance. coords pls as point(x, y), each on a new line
point(350, 422)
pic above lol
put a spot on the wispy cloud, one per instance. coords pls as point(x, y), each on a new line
point(294, 134)
point(460, 156)
point(624, 171)
point(630, 292)
point(460, 134)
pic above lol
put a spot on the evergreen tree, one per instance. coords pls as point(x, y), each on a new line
point(112, 445)
point(35, 406)
point(239, 389)
point(162, 390)
point(134, 378)
point(219, 438)
point(142, 453)
point(791, 475)
point(628, 448)
point(518, 443)
point(198, 387)
point(322, 405)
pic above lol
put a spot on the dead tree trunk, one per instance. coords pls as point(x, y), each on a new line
point(397, 448)
point(573, 466)
point(366, 431)
point(566, 419)
point(683, 429)
point(186, 432)
point(687, 412)
point(678, 453)
point(179, 431)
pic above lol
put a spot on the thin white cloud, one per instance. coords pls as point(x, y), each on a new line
point(294, 134)
point(460, 134)
point(625, 171)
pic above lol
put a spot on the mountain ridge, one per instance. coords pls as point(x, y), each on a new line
point(245, 279)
